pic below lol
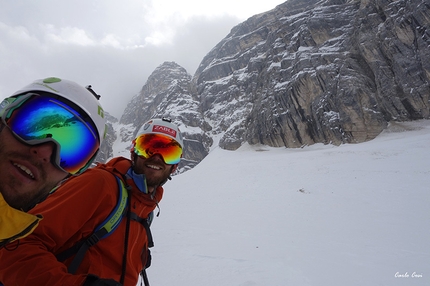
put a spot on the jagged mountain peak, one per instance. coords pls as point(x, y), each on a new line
point(167, 93)
point(168, 82)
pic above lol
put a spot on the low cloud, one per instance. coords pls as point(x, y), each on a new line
point(111, 45)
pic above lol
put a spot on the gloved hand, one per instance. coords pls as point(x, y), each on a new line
point(93, 280)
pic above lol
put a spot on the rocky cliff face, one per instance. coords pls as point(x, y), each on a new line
point(105, 151)
point(318, 71)
point(330, 71)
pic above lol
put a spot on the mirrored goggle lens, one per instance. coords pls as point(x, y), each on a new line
point(148, 145)
point(40, 119)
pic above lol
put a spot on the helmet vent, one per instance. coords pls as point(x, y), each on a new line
point(92, 91)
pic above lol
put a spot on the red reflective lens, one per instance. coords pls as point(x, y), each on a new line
point(147, 145)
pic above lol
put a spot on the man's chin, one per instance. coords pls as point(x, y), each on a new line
point(152, 184)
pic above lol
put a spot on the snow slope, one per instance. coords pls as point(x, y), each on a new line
point(321, 216)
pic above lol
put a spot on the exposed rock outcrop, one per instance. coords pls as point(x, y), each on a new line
point(318, 71)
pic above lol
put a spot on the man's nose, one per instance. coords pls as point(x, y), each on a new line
point(43, 151)
point(159, 157)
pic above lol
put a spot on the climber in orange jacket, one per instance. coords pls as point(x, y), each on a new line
point(82, 203)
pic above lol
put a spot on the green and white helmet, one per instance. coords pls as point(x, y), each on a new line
point(85, 98)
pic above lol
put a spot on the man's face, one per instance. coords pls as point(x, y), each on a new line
point(154, 168)
point(26, 172)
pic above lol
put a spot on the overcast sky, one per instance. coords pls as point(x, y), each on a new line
point(112, 45)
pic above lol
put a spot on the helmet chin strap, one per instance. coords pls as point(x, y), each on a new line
point(165, 181)
point(169, 178)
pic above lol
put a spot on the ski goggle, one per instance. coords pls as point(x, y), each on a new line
point(147, 145)
point(39, 118)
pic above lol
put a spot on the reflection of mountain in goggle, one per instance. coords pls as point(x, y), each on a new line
point(37, 119)
point(49, 125)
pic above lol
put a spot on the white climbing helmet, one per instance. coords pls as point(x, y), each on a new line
point(171, 148)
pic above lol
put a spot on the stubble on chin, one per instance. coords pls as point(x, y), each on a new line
point(24, 200)
point(15, 192)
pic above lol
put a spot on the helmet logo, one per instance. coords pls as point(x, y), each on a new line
point(51, 80)
point(100, 112)
point(146, 126)
point(165, 130)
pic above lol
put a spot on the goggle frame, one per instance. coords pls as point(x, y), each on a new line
point(11, 111)
point(148, 144)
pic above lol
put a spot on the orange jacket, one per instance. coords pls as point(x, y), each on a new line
point(70, 214)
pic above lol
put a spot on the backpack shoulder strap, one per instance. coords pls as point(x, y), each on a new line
point(144, 222)
point(114, 218)
point(102, 231)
